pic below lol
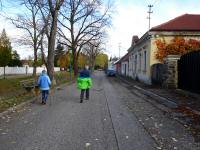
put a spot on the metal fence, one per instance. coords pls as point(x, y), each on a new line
point(189, 72)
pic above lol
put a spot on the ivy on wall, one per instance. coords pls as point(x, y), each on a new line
point(177, 46)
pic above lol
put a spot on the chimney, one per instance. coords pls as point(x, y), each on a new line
point(134, 40)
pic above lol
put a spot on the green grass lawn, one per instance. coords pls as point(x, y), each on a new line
point(12, 93)
point(11, 86)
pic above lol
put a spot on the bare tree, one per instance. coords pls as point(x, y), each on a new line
point(39, 29)
point(51, 7)
point(92, 50)
point(33, 25)
point(82, 21)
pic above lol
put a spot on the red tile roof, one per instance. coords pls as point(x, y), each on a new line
point(186, 22)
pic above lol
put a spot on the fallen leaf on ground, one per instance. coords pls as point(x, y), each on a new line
point(152, 117)
point(175, 140)
point(13, 142)
point(156, 125)
point(87, 144)
point(154, 136)
point(3, 133)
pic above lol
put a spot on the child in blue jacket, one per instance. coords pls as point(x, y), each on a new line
point(44, 83)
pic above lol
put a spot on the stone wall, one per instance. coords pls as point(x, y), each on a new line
point(171, 71)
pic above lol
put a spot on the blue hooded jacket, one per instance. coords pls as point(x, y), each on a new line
point(44, 82)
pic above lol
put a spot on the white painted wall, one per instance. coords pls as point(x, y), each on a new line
point(144, 78)
point(124, 68)
point(131, 65)
point(139, 62)
point(23, 70)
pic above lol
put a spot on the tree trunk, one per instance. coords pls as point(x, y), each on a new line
point(35, 61)
point(44, 61)
point(4, 72)
point(51, 46)
point(93, 64)
point(75, 65)
point(34, 70)
point(90, 62)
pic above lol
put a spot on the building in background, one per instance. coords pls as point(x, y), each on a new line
point(141, 54)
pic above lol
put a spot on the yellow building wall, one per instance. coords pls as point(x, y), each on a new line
point(150, 47)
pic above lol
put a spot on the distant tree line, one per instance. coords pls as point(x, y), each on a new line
point(97, 60)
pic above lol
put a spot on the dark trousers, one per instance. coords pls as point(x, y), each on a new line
point(82, 94)
point(45, 94)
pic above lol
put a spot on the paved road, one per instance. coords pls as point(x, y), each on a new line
point(116, 117)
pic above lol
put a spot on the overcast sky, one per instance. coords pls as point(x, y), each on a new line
point(130, 19)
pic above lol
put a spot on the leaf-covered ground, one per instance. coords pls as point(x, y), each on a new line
point(12, 93)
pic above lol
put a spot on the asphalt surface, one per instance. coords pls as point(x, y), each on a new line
point(117, 117)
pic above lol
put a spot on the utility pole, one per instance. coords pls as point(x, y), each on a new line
point(119, 49)
point(149, 17)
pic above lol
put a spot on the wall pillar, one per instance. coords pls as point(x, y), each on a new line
point(171, 72)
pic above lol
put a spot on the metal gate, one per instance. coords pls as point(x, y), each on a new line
point(157, 71)
point(189, 72)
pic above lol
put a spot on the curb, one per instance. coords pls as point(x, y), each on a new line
point(14, 108)
point(153, 95)
point(166, 101)
point(195, 95)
